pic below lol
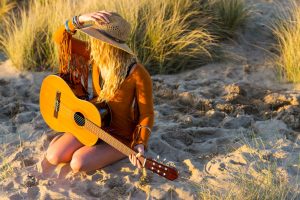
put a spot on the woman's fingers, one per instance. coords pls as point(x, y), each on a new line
point(139, 165)
point(98, 19)
point(96, 16)
point(135, 161)
point(102, 16)
point(131, 158)
point(106, 12)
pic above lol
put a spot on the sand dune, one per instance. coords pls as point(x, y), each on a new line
point(214, 122)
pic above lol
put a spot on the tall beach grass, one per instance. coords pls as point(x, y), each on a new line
point(24, 38)
point(245, 187)
point(166, 35)
point(262, 179)
point(228, 15)
point(287, 32)
point(5, 7)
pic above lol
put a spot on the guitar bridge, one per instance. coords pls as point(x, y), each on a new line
point(57, 104)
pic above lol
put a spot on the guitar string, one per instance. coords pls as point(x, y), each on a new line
point(90, 125)
point(69, 111)
point(92, 128)
point(81, 119)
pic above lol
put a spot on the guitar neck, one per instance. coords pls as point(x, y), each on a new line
point(158, 168)
point(56, 113)
point(108, 138)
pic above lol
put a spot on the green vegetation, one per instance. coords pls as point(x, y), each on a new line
point(6, 169)
point(287, 32)
point(5, 7)
point(228, 16)
point(262, 178)
point(168, 36)
point(247, 188)
point(168, 40)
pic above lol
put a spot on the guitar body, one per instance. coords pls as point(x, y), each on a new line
point(64, 112)
point(61, 109)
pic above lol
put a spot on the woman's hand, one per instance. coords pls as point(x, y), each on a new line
point(100, 16)
point(133, 159)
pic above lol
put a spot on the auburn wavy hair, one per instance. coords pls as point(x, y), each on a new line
point(114, 61)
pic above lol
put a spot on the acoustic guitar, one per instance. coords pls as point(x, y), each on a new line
point(64, 112)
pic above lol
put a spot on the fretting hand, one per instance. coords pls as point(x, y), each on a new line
point(100, 17)
point(133, 158)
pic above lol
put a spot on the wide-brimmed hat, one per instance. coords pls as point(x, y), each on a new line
point(115, 33)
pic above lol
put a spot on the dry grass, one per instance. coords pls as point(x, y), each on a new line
point(262, 179)
point(6, 169)
point(172, 39)
point(167, 35)
point(20, 39)
point(287, 31)
point(245, 188)
point(5, 7)
point(229, 15)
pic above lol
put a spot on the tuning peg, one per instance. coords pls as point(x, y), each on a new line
point(157, 157)
point(164, 160)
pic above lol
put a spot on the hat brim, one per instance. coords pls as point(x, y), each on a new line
point(96, 34)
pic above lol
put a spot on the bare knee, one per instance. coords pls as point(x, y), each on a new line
point(77, 163)
point(52, 157)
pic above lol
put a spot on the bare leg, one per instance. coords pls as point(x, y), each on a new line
point(55, 138)
point(62, 149)
point(95, 157)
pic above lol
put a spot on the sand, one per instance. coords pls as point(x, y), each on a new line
point(213, 123)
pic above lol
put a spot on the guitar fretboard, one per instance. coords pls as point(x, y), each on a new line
point(108, 138)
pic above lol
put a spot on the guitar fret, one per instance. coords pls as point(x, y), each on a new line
point(108, 138)
point(61, 107)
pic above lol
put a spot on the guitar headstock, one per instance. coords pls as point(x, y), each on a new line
point(168, 172)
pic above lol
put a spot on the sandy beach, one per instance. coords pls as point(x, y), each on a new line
point(215, 123)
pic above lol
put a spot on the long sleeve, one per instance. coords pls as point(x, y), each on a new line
point(78, 46)
point(145, 104)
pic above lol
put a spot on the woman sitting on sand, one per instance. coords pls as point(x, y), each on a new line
point(123, 83)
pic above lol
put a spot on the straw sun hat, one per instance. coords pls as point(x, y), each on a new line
point(115, 33)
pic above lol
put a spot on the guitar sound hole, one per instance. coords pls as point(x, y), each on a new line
point(79, 119)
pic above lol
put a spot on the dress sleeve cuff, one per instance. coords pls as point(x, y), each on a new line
point(141, 135)
point(71, 26)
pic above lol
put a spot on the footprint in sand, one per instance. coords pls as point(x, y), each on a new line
point(171, 194)
point(29, 162)
point(116, 189)
point(24, 117)
point(45, 168)
point(165, 150)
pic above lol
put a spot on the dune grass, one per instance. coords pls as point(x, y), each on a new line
point(228, 15)
point(262, 179)
point(167, 35)
point(172, 39)
point(248, 188)
point(5, 7)
point(287, 32)
point(23, 39)
point(6, 169)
